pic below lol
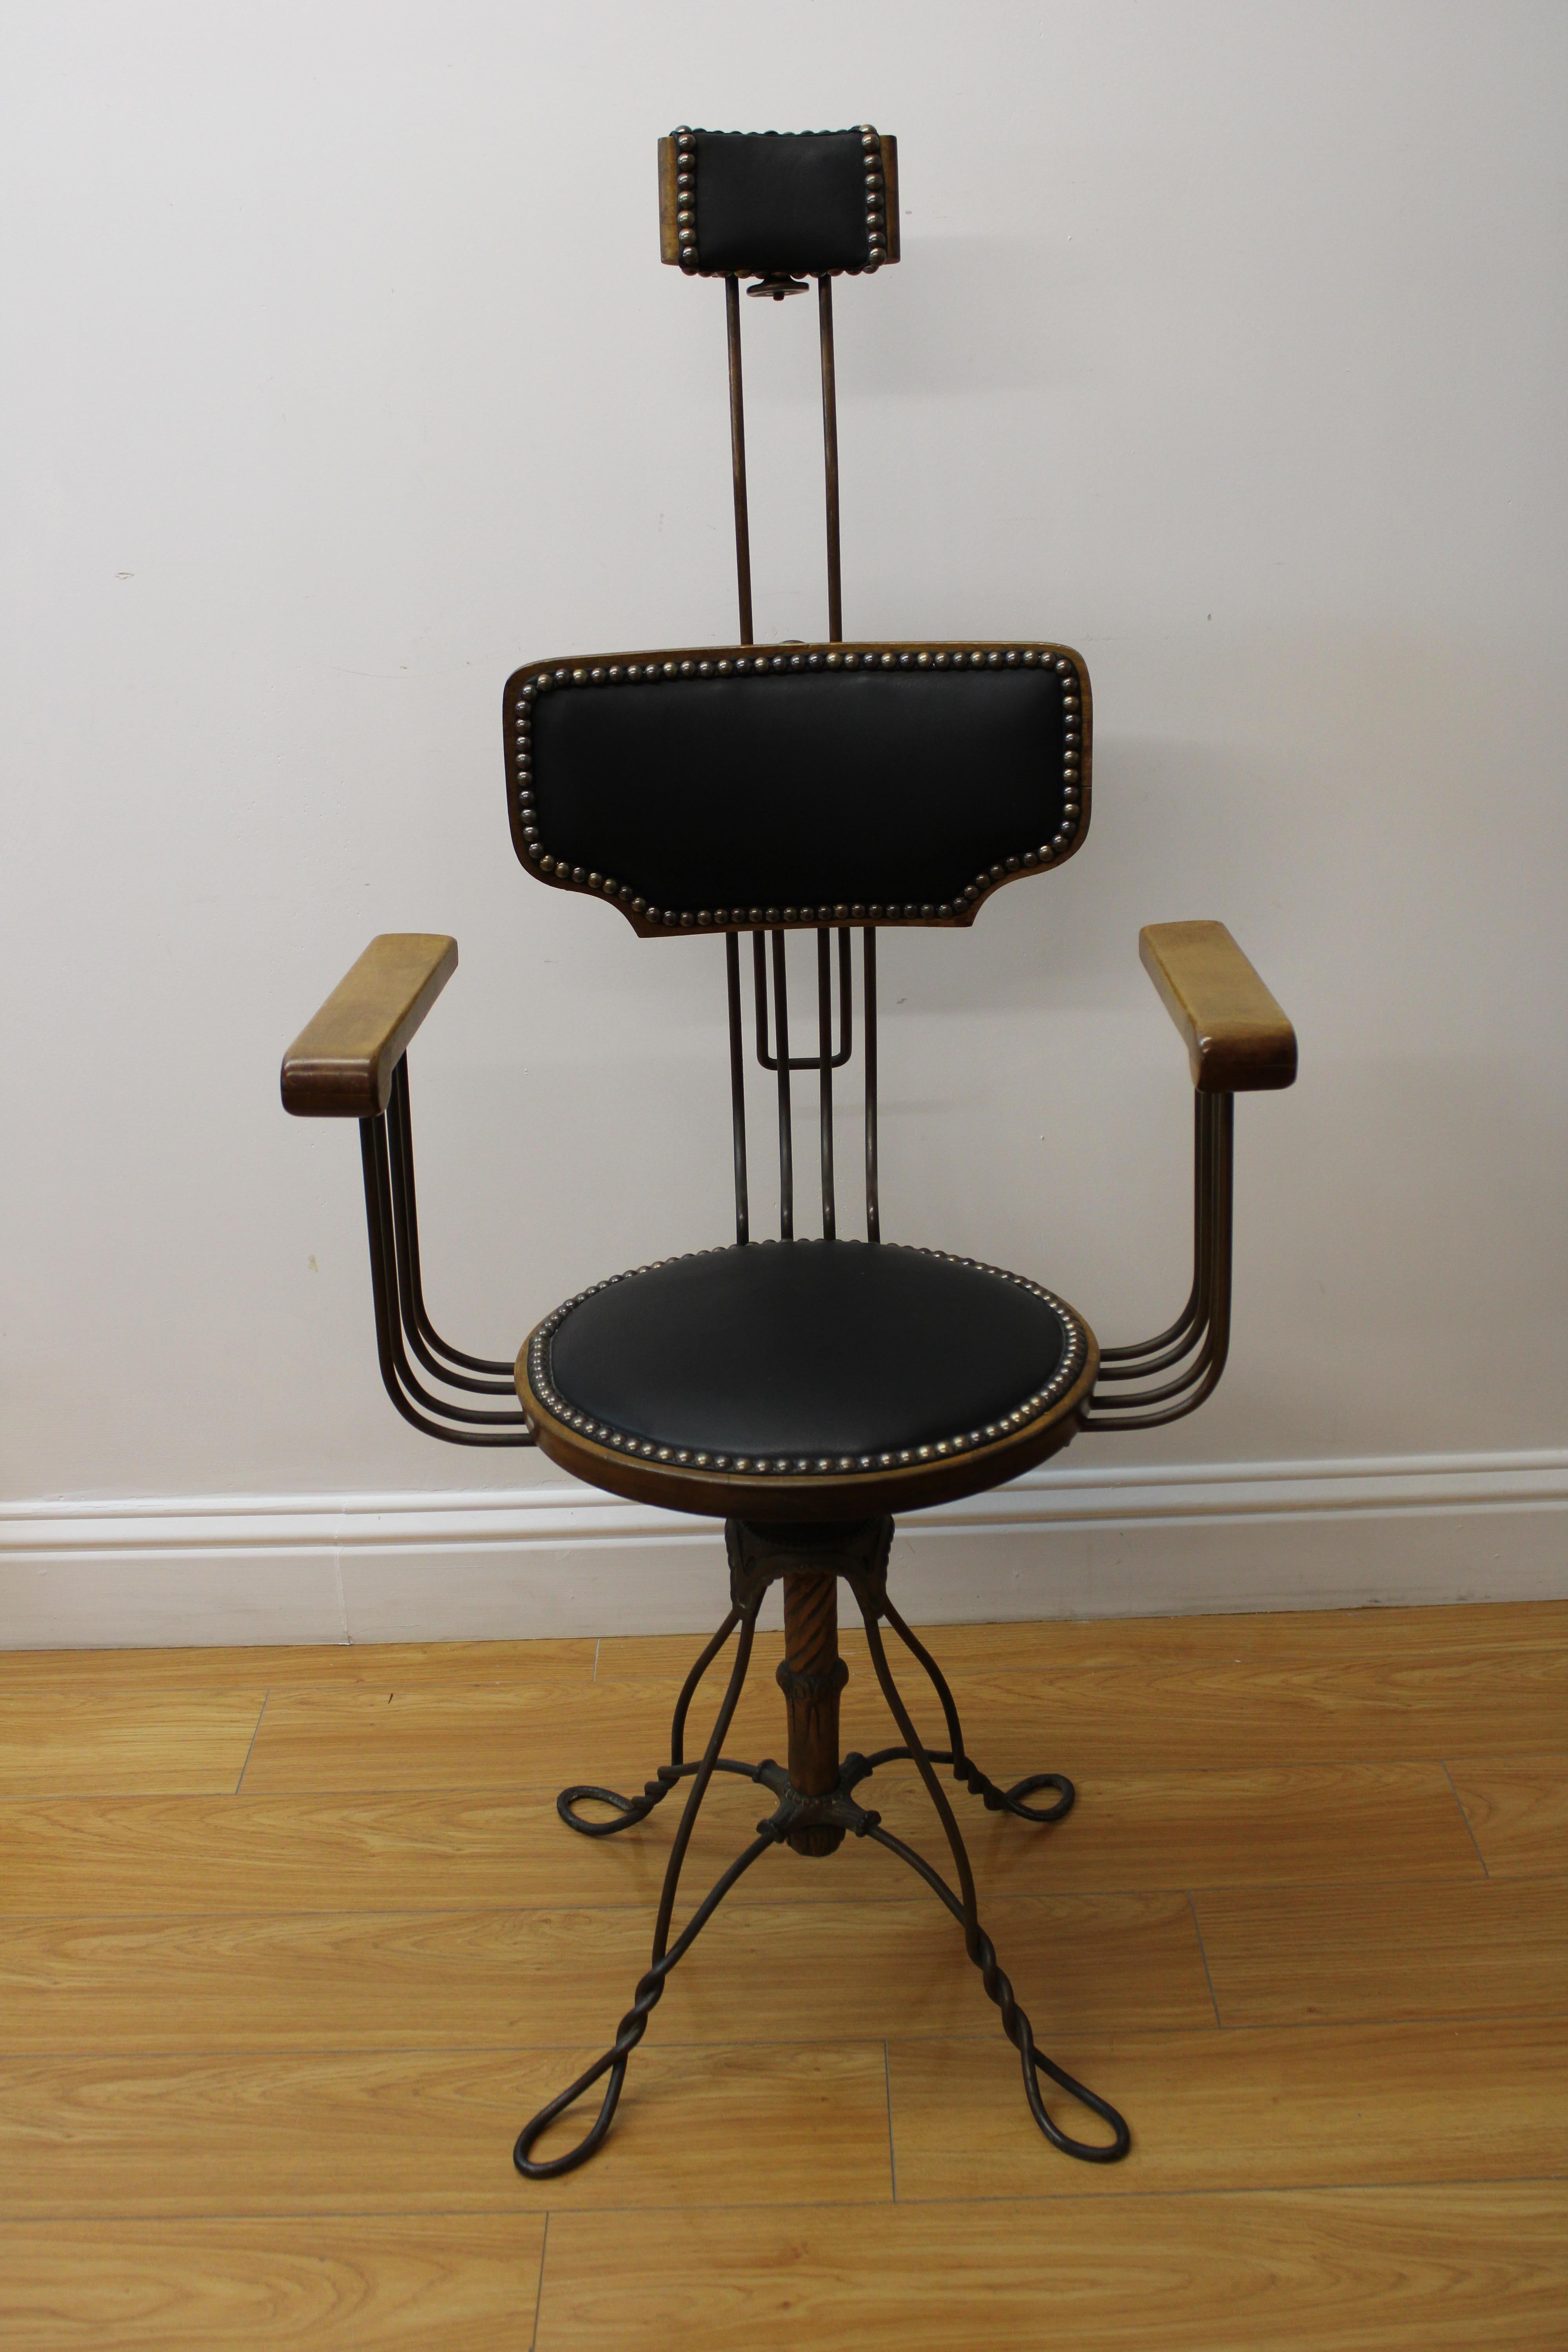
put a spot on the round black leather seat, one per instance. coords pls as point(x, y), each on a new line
point(805, 1359)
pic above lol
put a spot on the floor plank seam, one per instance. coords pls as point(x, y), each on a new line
point(1202, 1955)
point(1351, 2188)
point(226, 2053)
point(253, 1737)
point(831, 1902)
point(1185, 1892)
point(892, 2151)
point(538, 2291)
point(1470, 1825)
point(95, 2219)
point(290, 2052)
point(638, 1902)
point(545, 1789)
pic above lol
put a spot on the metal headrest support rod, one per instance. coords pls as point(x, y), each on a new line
point(829, 447)
point(777, 285)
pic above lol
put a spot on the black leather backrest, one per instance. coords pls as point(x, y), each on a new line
point(770, 203)
point(741, 787)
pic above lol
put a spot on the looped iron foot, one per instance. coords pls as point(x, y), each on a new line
point(628, 2034)
point(1009, 1801)
point(650, 1986)
point(995, 1800)
point(792, 1811)
point(1021, 2034)
point(630, 1811)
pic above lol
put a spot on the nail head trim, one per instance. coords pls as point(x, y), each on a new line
point(525, 689)
point(1038, 1405)
point(874, 180)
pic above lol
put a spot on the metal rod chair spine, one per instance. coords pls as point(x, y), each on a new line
point(830, 458)
point(738, 456)
point(737, 1086)
point(825, 1066)
point(786, 1144)
point(868, 1020)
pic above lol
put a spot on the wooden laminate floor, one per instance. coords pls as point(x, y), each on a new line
point(293, 1941)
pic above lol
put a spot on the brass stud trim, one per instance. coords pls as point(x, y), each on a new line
point(540, 1379)
point(809, 662)
point(687, 176)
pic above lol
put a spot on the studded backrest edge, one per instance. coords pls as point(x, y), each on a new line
point(750, 788)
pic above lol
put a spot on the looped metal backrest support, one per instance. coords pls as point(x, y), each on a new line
point(781, 1063)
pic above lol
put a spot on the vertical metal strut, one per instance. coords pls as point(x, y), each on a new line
point(829, 456)
point(825, 1070)
point(824, 1060)
point(873, 1202)
point(738, 457)
point(737, 1084)
point(786, 1150)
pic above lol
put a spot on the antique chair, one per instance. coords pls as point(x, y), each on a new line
point(807, 1390)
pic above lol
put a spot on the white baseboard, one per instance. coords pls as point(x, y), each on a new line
point(562, 1558)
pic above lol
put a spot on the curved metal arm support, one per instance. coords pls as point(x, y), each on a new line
point(423, 1337)
point(1177, 1336)
point(1199, 1342)
point(459, 1425)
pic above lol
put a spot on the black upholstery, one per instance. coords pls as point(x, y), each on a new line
point(908, 781)
point(780, 201)
point(809, 1348)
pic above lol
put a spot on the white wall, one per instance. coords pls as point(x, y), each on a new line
point(341, 375)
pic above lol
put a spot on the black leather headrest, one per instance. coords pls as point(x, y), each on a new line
point(734, 787)
point(762, 203)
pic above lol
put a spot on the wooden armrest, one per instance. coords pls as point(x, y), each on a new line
point(340, 1063)
point(1238, 1038)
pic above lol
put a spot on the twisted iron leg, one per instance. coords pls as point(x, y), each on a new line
point(632, 1810)
point(996, 1800)
point(650, 1986)
point(977, 1943)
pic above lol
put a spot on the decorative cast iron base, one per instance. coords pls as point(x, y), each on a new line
point(814, 1822)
